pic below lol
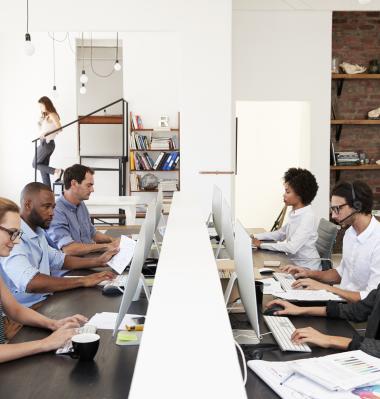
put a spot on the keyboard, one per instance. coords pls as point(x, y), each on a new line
point(120, 280)
point(286, 280)
point(282, 329)
point(68, 347)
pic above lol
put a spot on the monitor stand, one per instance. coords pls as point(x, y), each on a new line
point(242, 337)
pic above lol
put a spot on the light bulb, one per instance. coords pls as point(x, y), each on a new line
point(83, 78)
point(28, 45)
point(83, 89)
point(363, 2)
point(117, 66)
point(54, 92)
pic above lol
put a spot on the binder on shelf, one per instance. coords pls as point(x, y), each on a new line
point(158, 160)
point(163, 160)
point(167, 161)
point(176, 161)
point(132, 160)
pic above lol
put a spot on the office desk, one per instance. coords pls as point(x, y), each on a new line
point(52, 376)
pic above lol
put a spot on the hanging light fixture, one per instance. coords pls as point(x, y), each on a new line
point(54, 91)
point(117, 66)
point(83, 77)
point(28, 45)
point(83, 89)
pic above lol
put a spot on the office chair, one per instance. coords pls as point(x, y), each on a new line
point(280, 219)
point(327, 232)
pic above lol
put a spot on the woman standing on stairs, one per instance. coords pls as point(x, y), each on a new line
point(48, 122)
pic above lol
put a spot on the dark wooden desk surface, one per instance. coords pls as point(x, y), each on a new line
point(51, 376)
point(110, 375)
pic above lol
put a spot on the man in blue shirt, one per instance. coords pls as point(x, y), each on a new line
point(71, 229)
point(33, 268)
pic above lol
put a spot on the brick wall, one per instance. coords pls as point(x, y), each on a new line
point(356, 39)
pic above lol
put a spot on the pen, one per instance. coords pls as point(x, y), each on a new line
point(286, 378)
point(138, 327)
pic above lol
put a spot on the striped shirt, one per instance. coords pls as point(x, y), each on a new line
point(2, 334)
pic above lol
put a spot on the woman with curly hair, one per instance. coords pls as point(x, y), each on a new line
point(298, 236)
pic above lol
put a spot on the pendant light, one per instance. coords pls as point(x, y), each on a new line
point(117, 66)
point(54, 91)
point(28, 45)
point(83, 77)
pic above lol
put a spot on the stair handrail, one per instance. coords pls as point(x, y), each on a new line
point(80, 118)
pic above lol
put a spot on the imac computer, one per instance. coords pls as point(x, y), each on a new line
point(217, 199)
point(227, 229)
point(246, 282)
point(135, 276)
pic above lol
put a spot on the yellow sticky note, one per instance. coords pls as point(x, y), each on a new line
point(126, 336)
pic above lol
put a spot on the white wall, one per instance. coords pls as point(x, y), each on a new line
point(264, 153)
point(204, 30)
point(286, 56)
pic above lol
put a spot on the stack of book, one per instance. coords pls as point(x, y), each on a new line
point(166, 161)
point(141, 161)
point(139, 142)
point(136, 122)
point(163, 143)
point(135, 182)
point(168, 185)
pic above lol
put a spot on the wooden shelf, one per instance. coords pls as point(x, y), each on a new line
point(358, 167)
point(144, 191)
point(154, 170)
point(155, 131)
point(102, 120)
point(355, 121)
point(176, 149)
point(356, 76)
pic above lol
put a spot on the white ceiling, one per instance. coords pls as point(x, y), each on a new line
point(314, 5)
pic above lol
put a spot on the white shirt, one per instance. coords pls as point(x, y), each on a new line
point(360, 265)
point(298, 237)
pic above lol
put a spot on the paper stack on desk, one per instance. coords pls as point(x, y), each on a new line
point(344, 375)
point(107, 320)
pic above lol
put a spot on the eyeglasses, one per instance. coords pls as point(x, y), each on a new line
point(336, 208)
point(13, 234)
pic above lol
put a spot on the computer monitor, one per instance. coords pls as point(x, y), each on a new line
point(227, 229)
point(150, 226)
point(217, 210)
point(246, 282)
point(142, 247)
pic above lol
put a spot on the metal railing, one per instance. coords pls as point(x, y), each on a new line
point(35, 141)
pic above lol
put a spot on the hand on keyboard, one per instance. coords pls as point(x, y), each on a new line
point(310, 284)
point(58, 338)
point(78, 319)
point(312, 336)
point(296, 271)
point(93, 279)
point(66, 346)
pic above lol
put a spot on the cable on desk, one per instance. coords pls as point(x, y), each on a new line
point(243, 361)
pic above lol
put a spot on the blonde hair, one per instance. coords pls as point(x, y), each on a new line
point(7, 205)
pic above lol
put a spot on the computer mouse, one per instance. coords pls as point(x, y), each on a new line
point(270, 311)
point(112, 290)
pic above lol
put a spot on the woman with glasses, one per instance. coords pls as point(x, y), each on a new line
point(62, 329)
point(298, 236)
point(359, 270)
point(48, 123)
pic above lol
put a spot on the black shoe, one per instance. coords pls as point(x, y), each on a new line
point(59, 177)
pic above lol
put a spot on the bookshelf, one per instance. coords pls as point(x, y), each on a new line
point(155, 151)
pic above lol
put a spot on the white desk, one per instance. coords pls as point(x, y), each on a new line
point(103, 204)
point(193, 356)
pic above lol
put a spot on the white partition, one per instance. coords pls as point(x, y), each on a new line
point(187, 349)
point(272, 137)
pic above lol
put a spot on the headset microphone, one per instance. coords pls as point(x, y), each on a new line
point(347, 217)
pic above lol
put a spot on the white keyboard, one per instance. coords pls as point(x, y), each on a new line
point(282, 329)
point(120, 280)
point(286, 280)
point(68, 347)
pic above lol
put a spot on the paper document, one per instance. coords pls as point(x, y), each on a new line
point(307, 295)
point(107, 320)
point(271, 286)
point(122, 259)
point(341, 371)
point(281, 378)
